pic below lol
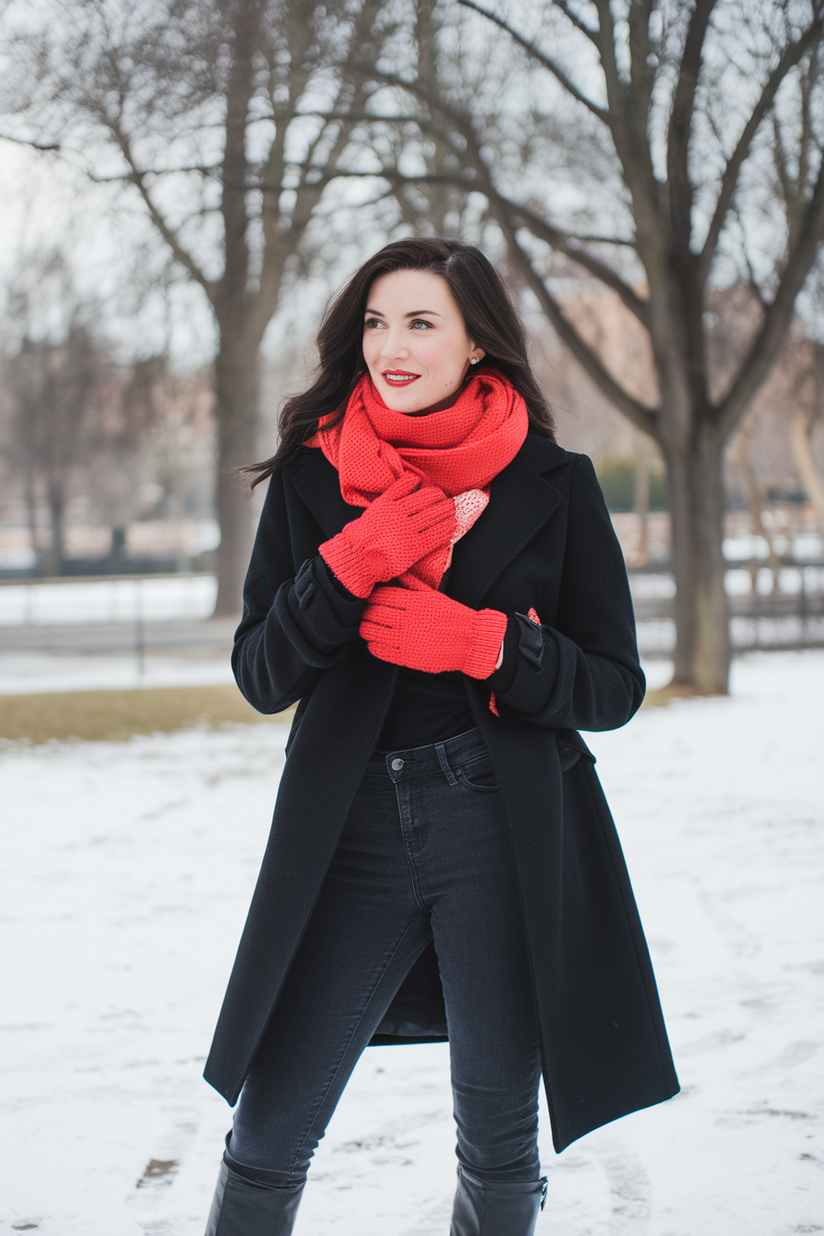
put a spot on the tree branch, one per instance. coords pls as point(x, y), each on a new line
point(242, 39)
point(641, 415)
point(561, 240)
point(729, 179)
point(350, 101)
point(30, 141)
point(777, 316)
point(642, 62)
point(585, 238)
point(137, 178)
point(565, 243)
point(578, 23)
point(203, 168)
point(631, 144)
point(679, 130)
point(354, 116)
point(753, 283)
point(542, 58)
point(781, 164)
point(645, 417)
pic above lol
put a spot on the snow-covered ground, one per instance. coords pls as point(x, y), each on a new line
point(126, 874)
point(29, 673)
point(140, 598)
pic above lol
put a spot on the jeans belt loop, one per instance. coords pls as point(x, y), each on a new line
point(443, 760)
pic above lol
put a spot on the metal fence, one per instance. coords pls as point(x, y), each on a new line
point(767, 611)
point(153, 612)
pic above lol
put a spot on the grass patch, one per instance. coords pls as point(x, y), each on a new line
point(659, 698)
point(116, 716)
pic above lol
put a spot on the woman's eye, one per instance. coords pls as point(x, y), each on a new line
point(416, 322)
point(371, 322)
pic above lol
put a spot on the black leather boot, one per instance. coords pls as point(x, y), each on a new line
point(242, 1208)
point(505, 1209)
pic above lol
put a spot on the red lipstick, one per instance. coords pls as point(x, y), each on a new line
point(399, 377)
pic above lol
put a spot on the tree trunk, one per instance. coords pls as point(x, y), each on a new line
point(642, 502)
point(237, 389)
point(811, 480)
point(31, 507)
point(702, 651)
point(753, 494)
point(56, 554)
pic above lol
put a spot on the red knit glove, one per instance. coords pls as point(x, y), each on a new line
point(429, 631)
point(393, 533)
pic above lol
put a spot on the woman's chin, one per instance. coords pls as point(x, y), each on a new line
point(405, 407)
point(409, 404)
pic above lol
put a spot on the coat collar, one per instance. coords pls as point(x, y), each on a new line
point(522, 500)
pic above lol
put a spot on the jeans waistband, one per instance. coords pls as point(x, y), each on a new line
point(443, 756)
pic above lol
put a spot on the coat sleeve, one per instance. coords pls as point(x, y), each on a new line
point(583, 672)
point(296, 621)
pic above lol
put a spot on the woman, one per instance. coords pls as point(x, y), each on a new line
point(438, 583)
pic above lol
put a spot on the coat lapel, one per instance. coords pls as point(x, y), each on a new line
point(316, 482)
point(521, 501)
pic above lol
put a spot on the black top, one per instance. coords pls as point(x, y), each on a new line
point(425, 708)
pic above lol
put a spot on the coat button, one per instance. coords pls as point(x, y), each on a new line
point(397, 765)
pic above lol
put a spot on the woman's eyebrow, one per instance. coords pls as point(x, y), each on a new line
point(415, 313)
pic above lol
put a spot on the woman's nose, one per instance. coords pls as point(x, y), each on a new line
point(394, 344)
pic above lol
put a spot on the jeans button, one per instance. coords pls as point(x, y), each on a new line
point(397, 765)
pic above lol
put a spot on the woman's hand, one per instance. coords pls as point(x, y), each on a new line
point(394, 532)
point(426, 630)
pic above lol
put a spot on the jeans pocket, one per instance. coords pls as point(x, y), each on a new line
point(478, 775)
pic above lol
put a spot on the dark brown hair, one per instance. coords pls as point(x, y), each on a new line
point(492, 323)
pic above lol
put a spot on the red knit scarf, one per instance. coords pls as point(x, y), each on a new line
point(459, 449)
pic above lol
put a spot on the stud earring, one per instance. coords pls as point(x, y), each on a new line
point(473, 360)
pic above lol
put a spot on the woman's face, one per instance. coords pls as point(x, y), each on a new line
point(415, 343)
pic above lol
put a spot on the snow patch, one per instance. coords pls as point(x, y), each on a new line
point(126, 874)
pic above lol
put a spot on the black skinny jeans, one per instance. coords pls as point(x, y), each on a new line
point(424, 853)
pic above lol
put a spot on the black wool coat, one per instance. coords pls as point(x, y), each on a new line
point(544, 541)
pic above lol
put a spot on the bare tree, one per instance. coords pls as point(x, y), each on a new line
point(228, 119)
point(57, 366)
point(48, 396)
point(58, 390)
point(642, 140)
point(79, 418)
